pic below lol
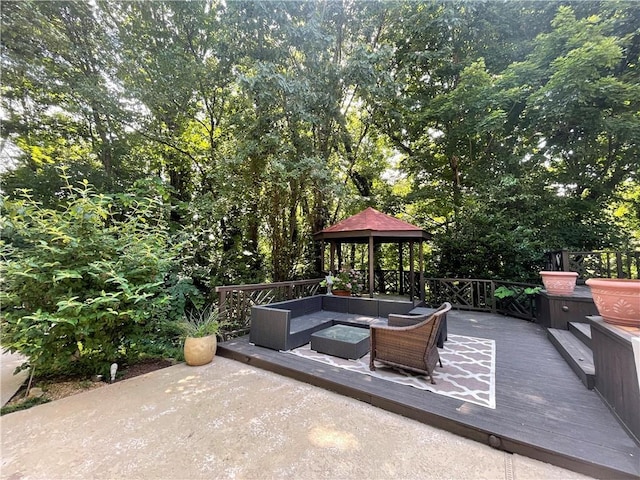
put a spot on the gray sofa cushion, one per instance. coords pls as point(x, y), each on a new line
point(310, 321)
point(289, 324)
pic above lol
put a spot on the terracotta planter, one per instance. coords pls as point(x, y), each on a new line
point(559, 283)
point(342, 293)
point(617, 300)
point(200, 351)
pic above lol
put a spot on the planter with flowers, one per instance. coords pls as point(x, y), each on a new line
point(345, 283)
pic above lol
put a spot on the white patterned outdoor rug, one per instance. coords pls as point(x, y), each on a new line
point(467, 372)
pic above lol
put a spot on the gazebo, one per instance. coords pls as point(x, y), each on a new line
point(373, 227)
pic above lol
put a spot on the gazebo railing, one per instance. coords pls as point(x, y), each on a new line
point(392, 281)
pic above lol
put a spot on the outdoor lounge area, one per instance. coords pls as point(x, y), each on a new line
point(540, 408)
point(290, 324)
point(313, 214)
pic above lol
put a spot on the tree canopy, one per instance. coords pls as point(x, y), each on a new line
point(505, 128)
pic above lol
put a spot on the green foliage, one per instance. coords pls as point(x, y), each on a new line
point(513, 133)
point(84, 286)
point(31, 402)
point(201, 323)
point(505, 292)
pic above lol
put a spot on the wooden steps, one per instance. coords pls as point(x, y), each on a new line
point(575, 347)
point(582, 331)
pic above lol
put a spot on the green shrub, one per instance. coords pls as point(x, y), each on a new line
point(85, 285)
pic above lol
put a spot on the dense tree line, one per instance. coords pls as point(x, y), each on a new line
point(505, 128)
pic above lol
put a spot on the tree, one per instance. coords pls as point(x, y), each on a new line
point(579, 102)
point(269, 120)
point(56, 94)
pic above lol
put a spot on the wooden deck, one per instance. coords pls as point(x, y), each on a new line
point(543, 411)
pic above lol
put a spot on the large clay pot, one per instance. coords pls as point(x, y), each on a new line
point(617, 300)
point(342, 293)
point(200, 350)
point(559, 283)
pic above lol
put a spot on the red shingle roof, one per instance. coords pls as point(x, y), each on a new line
point(371, 219)
point(371, 222)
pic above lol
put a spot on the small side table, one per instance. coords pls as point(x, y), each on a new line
point(341, 341)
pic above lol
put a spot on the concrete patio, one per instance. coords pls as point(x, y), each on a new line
point(10, 383)
point(231, 420)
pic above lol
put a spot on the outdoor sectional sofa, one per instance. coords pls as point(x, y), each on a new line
point(289, 324)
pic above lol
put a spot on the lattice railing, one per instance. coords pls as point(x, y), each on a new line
point(235, 301)
point(521, 304)
point(604, 264)
point(469, 294)
point(479, 295)
point(388, 281)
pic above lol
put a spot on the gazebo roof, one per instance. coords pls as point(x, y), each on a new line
point(372, 223)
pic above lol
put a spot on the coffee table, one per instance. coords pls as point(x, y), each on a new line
point(341, 341)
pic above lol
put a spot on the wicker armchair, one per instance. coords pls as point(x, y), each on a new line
point(412, 347)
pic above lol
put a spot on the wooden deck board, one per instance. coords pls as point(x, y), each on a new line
point(542, 409)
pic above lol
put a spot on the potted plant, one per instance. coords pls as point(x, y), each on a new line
point(559, 283)
point(200, 328)
point(346, 282)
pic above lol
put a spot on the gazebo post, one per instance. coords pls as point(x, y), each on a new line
point(333, 257)
point(412, 277)
point(371, 279)
point(400, 269)
point(421, 296)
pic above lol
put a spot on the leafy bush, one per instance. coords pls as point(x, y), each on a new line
point(85, 285)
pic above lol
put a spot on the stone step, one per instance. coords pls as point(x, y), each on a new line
point(577, 354)
point(582, 331)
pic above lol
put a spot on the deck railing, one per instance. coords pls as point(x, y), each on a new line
point(480, 295)
point(606, 263)
point(235, 301)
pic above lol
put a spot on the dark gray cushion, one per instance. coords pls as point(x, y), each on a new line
point(335, 303)
point(308, 322)
point(363, 306)
point(300, 306)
